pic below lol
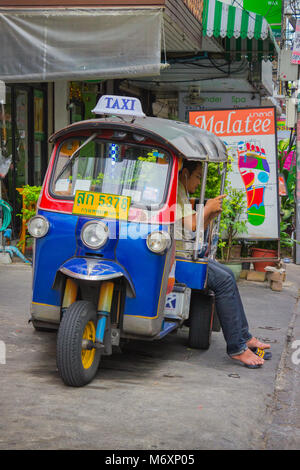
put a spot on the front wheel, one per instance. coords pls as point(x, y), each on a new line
point(77, 366)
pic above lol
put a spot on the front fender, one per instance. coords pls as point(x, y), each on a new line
point(92, 269)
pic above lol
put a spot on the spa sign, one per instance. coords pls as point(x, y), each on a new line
point(250, 137)
point(236, 122)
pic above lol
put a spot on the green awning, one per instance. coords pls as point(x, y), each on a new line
point(246, 34)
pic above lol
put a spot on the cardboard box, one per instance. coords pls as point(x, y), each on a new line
point(257, 276)
point(276, 276)
point(276, 286)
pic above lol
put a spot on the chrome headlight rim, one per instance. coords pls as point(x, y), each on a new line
point(100, 244)
point(165, 241)
point(32, 221)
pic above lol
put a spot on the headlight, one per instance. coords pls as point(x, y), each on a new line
point(94, 234)
point(158, 242)
point(38, 226)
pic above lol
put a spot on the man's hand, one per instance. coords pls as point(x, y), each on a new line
point(213, 208)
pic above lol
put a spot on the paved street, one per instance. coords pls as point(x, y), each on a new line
point(159, 395)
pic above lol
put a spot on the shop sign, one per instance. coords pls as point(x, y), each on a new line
point(296, 47)
point(281, 124)
point(250, 138)
point(282, 185)
point(2, 92)
point(270, 9)
point(38, 103)
point(211, 100)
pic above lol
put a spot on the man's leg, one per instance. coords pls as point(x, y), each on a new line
point(246, 335)
point(228, 308)
point(230, 315)
point(250, 340)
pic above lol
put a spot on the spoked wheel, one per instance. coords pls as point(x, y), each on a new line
point(200, 320)
point(78, 362)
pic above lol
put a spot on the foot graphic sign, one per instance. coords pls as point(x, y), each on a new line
point(255, 172)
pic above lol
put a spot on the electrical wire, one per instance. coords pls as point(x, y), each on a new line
point(215, 65)
point(241, 6)
point(175, 81)
point(232, 72)
point(218, 67)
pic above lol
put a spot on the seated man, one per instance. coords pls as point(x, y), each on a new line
point(241, 345)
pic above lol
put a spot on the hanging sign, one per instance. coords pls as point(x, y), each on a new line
point(250, 137)
point(296, 47)
point(282, 185)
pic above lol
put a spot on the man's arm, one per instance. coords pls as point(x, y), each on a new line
point(212, 209)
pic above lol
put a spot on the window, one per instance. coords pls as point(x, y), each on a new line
point(115, 168)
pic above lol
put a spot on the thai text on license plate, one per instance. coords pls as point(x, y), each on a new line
point(93, 204)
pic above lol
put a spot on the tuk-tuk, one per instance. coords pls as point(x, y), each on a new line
point(106, 267)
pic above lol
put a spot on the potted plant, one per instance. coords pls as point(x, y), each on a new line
point(264, 249)
point(287, 167)
point(269, 248)
point(231, 225)
point(30, 196)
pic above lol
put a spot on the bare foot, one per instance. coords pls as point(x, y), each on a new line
point(249, 358)
point(255, 343)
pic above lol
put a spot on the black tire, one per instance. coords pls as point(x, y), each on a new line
point(77, 319)
point(200, 320)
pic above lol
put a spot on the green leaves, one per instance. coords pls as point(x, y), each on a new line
point(30, 196)
point(231, 225)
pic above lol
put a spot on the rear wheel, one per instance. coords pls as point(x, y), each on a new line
point(201, 320)
point(77, 366)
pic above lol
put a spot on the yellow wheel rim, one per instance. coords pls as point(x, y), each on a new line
point(88, 355)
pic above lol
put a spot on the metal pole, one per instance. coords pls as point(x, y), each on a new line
point(222, 189)
point(1, 221)
point(297, 189)
point(2, 102)
point(4, 256)
point(216, 226)
point(297, 193)
point(200, 213)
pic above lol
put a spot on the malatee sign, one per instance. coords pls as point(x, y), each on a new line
point(241, 122)
point(250, 138)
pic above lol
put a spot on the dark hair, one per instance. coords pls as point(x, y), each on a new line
point(190, 165)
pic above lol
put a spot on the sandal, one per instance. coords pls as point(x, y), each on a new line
point(262, 353)
point(253, 366)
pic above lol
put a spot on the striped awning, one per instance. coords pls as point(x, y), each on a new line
point(246, 34)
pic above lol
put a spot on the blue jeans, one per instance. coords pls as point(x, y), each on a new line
point(221, 280)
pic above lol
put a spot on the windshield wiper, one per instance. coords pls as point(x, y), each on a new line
point(74, 155)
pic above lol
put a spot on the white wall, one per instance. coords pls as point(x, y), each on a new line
point(61, 114)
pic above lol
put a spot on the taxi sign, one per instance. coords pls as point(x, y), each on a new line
point(119, 105)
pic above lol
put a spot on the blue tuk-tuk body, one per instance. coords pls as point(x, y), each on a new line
point(105, 263)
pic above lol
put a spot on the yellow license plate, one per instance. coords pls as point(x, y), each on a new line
point(101, 205)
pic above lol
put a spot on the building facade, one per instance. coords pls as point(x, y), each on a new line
point(60, 56)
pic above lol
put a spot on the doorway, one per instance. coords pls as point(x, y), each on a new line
point(26, 130)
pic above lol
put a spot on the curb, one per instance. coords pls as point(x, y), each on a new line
point(280, 379)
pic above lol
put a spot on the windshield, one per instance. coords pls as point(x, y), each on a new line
point(137, 171)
